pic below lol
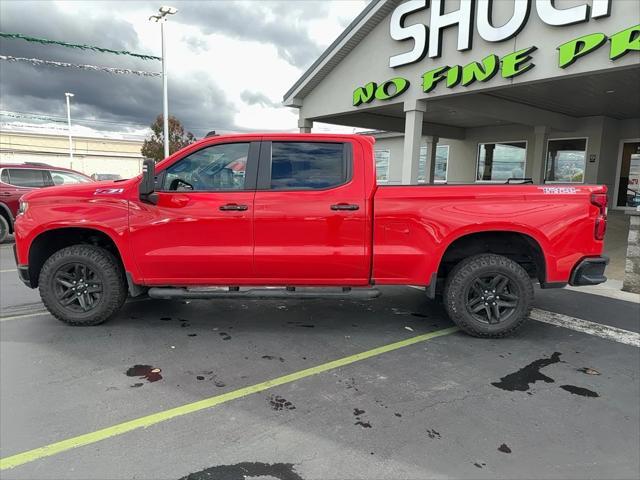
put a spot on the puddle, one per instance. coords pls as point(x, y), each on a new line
point(358, 413)
point(523, 378)
point(136, 385)
point(192, 335)
point(504, 448)
point(398, 414)
point(225, 336)
point(241, 471)
point(152, 374)
point(279, 403)
point(271, 357)
point(165, 319)
point(433, 434)
point(480, 465)
point(583, 392)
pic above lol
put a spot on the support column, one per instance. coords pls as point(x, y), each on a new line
point(305, 125)
point(414, 113)
point(539, 154)
point(430, 167)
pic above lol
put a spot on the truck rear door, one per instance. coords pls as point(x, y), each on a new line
point(310, 215)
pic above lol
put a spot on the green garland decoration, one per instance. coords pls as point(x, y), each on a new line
point(44, 41)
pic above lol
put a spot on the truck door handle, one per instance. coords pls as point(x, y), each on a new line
point(233, 207)
point(345, 206)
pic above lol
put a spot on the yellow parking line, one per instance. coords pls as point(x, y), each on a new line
point(147, 421)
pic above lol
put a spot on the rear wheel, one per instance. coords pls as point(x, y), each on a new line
point(488, 295)
point(82, 285)
point(4, 229)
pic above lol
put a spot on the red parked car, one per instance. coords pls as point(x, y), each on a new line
point(20, 178)
point(303, 210)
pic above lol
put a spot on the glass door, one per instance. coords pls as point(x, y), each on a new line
point(629, 181)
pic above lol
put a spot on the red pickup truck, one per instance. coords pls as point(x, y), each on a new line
point(230, 213)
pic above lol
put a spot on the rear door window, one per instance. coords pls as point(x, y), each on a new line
point(308, 165)
point(27, 177)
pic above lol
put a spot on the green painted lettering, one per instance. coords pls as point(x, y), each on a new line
point(400, 85)
point(481, 71)
point(364, 94)
point(514, 63)
point(625, 41)
point(569, 52)
point(454, 76)
point(431, 78)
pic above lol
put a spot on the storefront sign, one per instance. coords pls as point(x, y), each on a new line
point(509, 66)
point(427, 40)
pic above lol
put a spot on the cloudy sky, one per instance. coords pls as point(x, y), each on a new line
point(230, 62)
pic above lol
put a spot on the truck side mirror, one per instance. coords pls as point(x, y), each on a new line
point(147, 186)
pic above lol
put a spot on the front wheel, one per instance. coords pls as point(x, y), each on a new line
point(4, 229)
point(82, 285)
point(488, 295)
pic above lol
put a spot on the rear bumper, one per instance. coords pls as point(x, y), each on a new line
point(590, 271)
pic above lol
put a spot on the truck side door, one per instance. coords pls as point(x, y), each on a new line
point(201, 230)
point(310, 214)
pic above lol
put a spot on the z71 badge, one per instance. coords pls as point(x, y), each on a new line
point(108, 191)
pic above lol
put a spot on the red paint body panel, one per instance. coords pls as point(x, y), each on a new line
point(397, 236)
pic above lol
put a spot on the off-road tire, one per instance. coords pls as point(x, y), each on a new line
point(462, 277)
point(100, 261)
point(4, 229)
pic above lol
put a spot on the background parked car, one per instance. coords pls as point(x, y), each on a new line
point(18, 179)
point(106, 176)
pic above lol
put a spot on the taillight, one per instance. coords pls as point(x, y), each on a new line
point(600, 201)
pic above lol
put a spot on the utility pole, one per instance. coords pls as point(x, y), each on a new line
point(161, 18)
point(69, 95)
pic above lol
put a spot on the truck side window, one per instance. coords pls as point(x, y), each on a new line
point(26, 177)
point(308, 165)
point(218, 167)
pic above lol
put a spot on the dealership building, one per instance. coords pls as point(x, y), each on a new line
point(472, 91)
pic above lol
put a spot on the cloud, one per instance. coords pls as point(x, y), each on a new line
point(257, 98)
point(122, 99)
point(279, 23)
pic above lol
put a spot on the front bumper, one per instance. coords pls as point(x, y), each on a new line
point(23, 270)
point(590, 271)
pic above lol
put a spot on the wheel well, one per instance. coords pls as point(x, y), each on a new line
point(518, 247)
point(4, 212)
point(49, 242)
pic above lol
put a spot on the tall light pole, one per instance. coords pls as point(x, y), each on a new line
point(161, 18)
point(69, 95)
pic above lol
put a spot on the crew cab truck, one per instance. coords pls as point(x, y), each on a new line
point(231, 213)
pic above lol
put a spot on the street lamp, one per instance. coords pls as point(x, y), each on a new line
point(161, 18)
point(69, 95)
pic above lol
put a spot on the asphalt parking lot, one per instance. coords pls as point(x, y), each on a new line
point(550, 402)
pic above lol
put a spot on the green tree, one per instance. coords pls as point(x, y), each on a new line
point(153, 147)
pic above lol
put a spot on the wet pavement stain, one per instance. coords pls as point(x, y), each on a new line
point(504, 448)
point(225, 336)
point(480, 465)
point(271, 357)
point(357, 412)
point(136, 385)
point(192, 335)
point(241, 471)
point(165, 319)
point(279, 403)
point(421, 315)
point(583, 392)
point(523, 378)
point(397, 414)
point(434, 435)
point(152, 374)
point(589, 371)
point(199, 377)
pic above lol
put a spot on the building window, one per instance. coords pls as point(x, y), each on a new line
point(442, 160)
point(382, 165)
point(498, 162)
point(566, 160)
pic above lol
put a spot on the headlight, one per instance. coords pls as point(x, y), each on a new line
point(22, 208)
